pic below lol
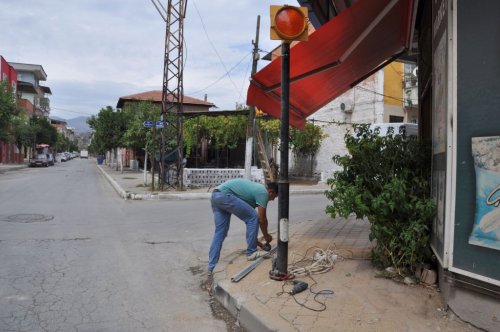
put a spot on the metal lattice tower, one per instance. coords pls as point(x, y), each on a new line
point(173, 86)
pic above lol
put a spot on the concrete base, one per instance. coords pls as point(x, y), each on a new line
point(470, 301)
point(251, 315)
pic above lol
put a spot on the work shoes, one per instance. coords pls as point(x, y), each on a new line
point(257, 254)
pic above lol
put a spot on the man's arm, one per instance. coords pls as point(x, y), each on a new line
point(263, 223)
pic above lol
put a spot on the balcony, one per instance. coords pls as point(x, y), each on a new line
point(44, 103)
point(410, 90)
point(26, 104)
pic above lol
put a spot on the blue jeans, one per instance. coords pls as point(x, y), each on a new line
point(223, 206)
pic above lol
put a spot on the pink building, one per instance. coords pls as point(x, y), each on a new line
point(9, 153)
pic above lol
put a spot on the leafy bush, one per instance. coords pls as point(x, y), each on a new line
point(308, 141)
point(304, 142)
point(387, 180)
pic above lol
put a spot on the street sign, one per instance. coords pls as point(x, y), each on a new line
point(159, 124)
point(149, 124)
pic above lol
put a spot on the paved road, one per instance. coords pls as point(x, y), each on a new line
point(76, 257)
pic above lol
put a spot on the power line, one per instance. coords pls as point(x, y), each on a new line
point(70, 111)
point(224, 75)
point(380, 94)
point(213, 46)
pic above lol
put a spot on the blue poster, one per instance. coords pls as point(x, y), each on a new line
point(486, 228)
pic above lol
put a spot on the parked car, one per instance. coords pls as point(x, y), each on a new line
point(40, 159)
point(60, 157)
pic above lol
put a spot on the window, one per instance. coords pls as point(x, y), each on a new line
point(396, 119)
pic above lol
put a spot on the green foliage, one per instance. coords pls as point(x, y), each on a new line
point(137, 136)
point(271, 128)
point(109, 127)
point(36, 130)
point(221, 131)
point(387, 180)
point(24, 133)
point(8, 110)
point(43, 131)
point(302, 142)
point(308, 141)
point(65, 144)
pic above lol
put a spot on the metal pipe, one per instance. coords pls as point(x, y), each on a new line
point(240, 275)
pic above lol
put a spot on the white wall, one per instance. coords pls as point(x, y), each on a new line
point(367, 99)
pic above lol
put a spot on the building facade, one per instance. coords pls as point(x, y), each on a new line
point(9, 152)
point(33, 95)
point(384, 97)
point(455, 45)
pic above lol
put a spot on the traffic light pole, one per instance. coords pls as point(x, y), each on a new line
point(280, 270)
point(288, 23)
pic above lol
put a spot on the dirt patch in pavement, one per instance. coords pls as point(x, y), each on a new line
point(218, 310)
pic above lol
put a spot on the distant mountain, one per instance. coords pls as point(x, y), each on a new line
point(79, 123)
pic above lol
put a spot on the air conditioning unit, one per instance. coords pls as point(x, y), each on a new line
point(346, 107)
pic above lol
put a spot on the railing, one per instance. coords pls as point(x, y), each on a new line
point(45, 103)
point(210, 177)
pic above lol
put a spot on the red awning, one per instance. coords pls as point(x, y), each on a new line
point(356, 43)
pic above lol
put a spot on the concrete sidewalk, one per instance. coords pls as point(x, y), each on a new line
point(129, 184)
point(11, 167)
point(349, 297)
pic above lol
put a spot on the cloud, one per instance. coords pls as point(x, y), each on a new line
point(96, 51)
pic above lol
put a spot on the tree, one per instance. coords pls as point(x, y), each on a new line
point(24, 133)
point(109, 127)
point(8, 110)
point(221, 131)
point(271, 128)
point(308, 141)
point(137, 136)
point(45, 133)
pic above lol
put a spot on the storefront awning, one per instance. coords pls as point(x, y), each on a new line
point(337, 56)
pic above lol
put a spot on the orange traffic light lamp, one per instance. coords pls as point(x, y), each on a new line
point(289, 23)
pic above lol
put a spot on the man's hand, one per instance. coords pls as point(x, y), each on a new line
point(268, 238)
point(265, 247)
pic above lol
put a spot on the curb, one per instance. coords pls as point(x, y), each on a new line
point(183, 196)
point(251, 315)
point(114, 184)
point(4, 169)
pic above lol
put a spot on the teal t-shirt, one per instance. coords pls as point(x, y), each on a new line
point(251, 192)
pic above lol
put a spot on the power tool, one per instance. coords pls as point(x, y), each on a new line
point(298, 286)
point(266, 246)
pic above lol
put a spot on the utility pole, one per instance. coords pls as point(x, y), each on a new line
point(173, 84)
point(251, 111)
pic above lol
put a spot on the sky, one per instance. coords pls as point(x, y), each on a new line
point(96, 51)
